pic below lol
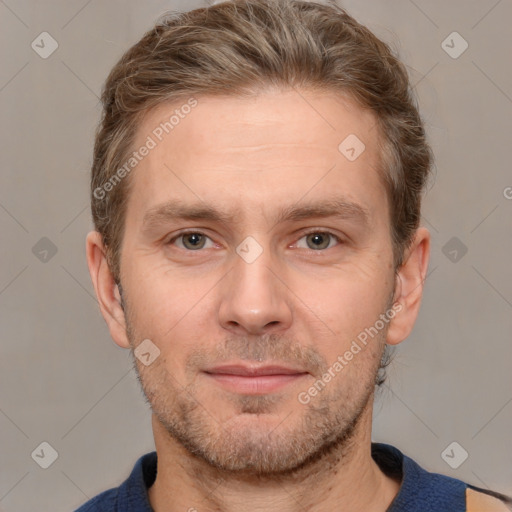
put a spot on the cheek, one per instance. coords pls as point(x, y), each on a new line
point(162, 297)
point(174, 313)
point(341, 307)
point(350, 292)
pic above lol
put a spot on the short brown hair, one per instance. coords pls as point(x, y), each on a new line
point(241, 47)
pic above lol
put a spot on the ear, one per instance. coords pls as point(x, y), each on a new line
point(106, 289)
point(409, 287)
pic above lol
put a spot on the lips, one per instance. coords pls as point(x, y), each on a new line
point(254, 380)
point(253, 371)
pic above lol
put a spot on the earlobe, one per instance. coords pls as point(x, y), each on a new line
point(107, 293)
point(409, 287)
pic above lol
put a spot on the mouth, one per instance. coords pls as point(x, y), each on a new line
point(254, 380)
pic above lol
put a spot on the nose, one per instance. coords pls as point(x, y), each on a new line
point(254, 298)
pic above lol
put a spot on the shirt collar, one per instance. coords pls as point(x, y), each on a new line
point(419, 490)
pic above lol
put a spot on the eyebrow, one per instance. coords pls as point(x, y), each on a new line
point(177, 209)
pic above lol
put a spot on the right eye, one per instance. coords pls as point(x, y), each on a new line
point(191, 240)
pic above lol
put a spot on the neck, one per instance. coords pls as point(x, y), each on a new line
point(344, 474)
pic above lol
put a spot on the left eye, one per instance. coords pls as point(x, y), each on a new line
point(192, 241)
point(319, 240)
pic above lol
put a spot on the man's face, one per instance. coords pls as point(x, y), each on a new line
point(274, 281)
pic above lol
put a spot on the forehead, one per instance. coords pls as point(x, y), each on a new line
point(258, 152)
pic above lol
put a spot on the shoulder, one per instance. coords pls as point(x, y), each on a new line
point(481, 500)
point(104, 502)
point(433, 492)
point(131, 495)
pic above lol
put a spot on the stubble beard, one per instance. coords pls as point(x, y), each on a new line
point(317, 434)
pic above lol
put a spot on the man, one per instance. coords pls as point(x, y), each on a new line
point(256, 193)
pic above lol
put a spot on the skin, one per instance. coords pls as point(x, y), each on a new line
point(295, 304)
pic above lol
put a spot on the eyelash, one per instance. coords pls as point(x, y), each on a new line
point(313, 231)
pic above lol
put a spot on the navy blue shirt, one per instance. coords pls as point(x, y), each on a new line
point(420, 491)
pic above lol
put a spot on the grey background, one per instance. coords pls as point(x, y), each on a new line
point(62, 379)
